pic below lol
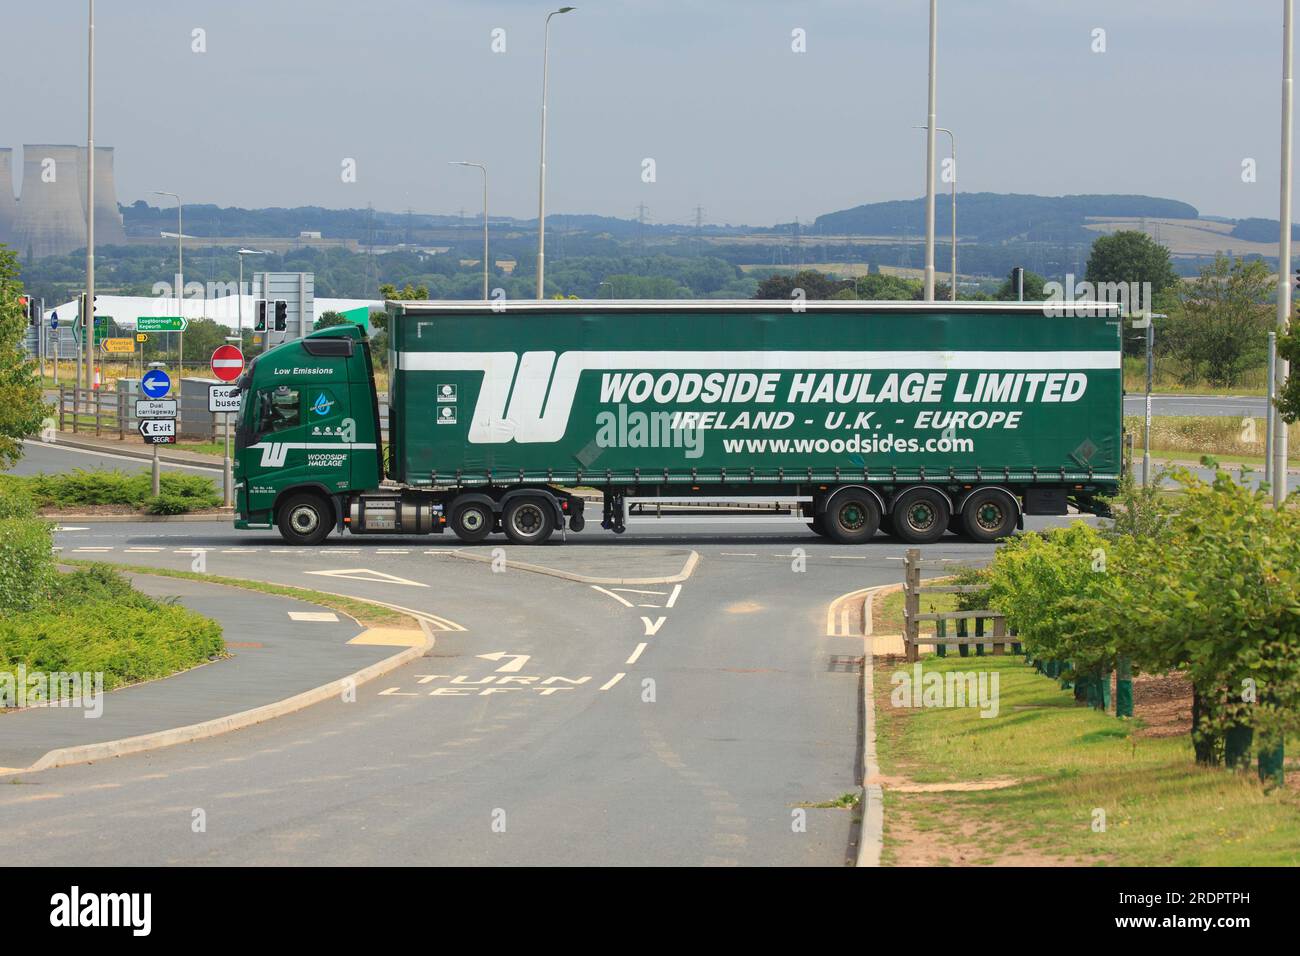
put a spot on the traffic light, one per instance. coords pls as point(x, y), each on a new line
point(281, 315)
point(29, 309)
point(259, 307)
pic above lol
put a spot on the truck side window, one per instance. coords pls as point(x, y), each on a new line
point(279, 408)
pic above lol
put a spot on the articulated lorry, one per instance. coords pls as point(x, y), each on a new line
point(850, 417)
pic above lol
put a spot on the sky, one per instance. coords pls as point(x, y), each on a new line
point(284, 93)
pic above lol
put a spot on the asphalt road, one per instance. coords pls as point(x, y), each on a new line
point(1217, 406)
point(39, 457)
point(646, 725)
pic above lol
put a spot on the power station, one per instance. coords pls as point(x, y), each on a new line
point(50, 218)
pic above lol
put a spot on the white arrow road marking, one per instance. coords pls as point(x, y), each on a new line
point(517, 661)
point(365, 574)
point(313, 616)
point(636, 653)
point(652, 627)
point(616, 597)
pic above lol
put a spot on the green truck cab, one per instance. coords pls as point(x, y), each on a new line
point(847, 418)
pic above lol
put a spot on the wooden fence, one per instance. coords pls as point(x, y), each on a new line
point(990, 627)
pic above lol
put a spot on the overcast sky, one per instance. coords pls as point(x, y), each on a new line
point(735, 120)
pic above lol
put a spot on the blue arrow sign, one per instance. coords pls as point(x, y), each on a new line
point(54, 320)
point(155, 383)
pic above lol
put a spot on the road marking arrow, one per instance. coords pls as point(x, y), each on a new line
point(652, 627)
point(517, 661)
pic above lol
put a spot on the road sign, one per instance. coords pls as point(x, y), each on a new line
point(155, 383)
point(155, 408)
point(141, 337)
point(118, 345)
point(223, 398)
point(158, 431)
point(101, 328)
point(227, 362)
point(161, 323)
point(54, 320)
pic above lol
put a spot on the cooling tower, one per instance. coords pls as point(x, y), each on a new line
point(108, 220)
point(7, 203)
point(50, 220)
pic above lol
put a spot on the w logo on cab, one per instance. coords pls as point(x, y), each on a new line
point(273, 454)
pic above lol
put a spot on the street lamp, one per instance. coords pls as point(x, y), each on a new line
point(180, 277)
point(541, 173)
point(1284, 256)
point(953, 153)
point(485, 221)
point(88, 321)
point(929, 157)
point(241, 253)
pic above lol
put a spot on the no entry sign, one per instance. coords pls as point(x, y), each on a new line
point(227, 363)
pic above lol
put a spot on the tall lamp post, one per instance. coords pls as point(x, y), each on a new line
point(952, 142)
point(240, 305)
point(1284, 255)
point(929, 157)
point(180, 277)
point(541, 172)
point(485, 222)
point(88, 320)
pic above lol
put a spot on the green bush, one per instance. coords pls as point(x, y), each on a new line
point(129, 642)
point(104, 487)
point(166, 504)
point(15, 500)
point(26, 563)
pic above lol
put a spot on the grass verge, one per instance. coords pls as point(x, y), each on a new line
point(888, 612)
point(1069, 763)
point(93, 621)
point(363, 612)
point(1235, 440)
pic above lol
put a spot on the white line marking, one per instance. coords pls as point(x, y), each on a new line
point(91, 549)
point(635, 591)
point(613, 680)
point(441, 551)
point(239, 550)
point(366, 574)
point(616, 597)
point(739, 554)
point(652, 627)
point(392, 551)
point(672, 599)
point(636, 653)
point(313, 616)
point(144, 550)
point(847, 557)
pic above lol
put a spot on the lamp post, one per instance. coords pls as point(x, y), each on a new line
point(952, 141)
point(541, 172)
point(485, 222)
point(88, 320)
point(929, 156)
point(1284, 255)
point(180, 278)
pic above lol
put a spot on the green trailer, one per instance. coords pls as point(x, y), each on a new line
point(849, 417)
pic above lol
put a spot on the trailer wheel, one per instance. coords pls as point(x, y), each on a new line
point(471, 521)
point(852, 516)
point(305, 519)
point(921, 516)
point(528, 520)
point(989, 515)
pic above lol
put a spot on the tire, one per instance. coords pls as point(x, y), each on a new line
point(305, 519)
point(818, 525)
point(921, 516)
point(989, 515)
point(852, 516)
point(528, 520)
point(471, 521)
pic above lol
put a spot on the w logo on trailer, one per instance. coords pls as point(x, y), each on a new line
point(273, 454)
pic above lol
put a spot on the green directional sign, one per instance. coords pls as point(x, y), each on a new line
point(161, 323)
point(102, 329)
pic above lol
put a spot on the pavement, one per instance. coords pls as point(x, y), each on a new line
point(279, 647)
point(1214, 406)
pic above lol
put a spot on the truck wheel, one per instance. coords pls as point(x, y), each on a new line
point(921, 517)
point(305, 519)
point(528, 520)
point(818, 525)
point(471, 521)
point(852, 516)
point(988, 516)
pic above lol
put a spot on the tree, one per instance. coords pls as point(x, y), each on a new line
point(329, 320)
point(21, 407)
point(1130, 256)
point(815, 285)
point(1223, 321)
point(1033, 286)
point(888, 288)
point(390, 291)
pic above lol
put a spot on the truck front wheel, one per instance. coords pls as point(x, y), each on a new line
point(852, 516)
point(921, 516)
point(528, 520)
point(305, 519)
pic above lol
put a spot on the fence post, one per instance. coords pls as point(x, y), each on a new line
point(1123, 688)
point(98, 395)
point(63, 399)
point(911, 602)
point(963, 630)
point(999, 631)
point(979, 632)
point(941, 630)
point(76, 406)
point(121, 414)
